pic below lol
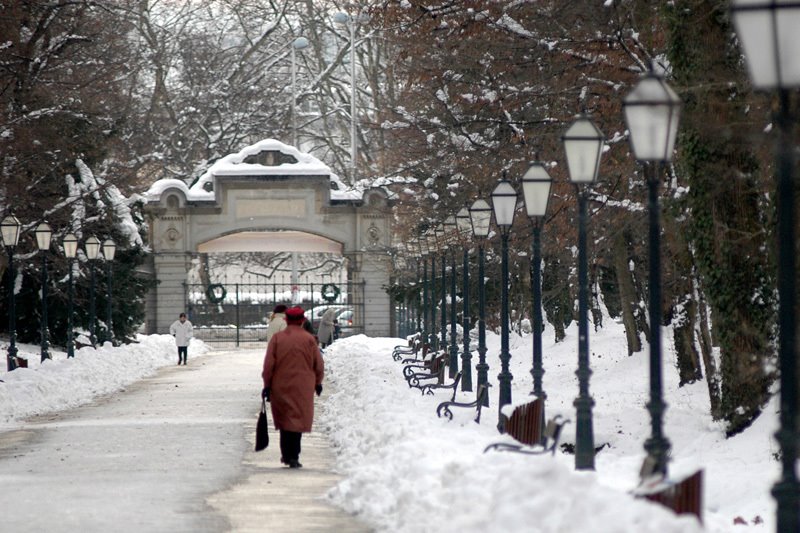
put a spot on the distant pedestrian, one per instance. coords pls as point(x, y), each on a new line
point(293, 371)
point(181, 329)
point(277, 321)
point(327, 327)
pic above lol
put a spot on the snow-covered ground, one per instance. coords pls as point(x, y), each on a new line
point(407, 470)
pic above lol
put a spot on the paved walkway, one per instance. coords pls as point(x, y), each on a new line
point(172, 453)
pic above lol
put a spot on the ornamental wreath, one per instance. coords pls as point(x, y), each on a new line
point(330, 292)
point(216, 293)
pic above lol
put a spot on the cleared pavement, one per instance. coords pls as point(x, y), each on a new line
point(170, 453)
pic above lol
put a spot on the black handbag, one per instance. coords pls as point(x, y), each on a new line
point(262, 434)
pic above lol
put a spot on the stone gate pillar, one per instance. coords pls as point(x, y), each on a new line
point(171, 261)
point(370, 264)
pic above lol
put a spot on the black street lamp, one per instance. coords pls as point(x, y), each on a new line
point(109, 249)
point(504, 204)
point(583, 144)
point(536, 189)
point(464, 228)
point(434, 332)
point(92, 251)
point(70, 243)
point(442, 245)
point(767, 30)
point(480, 215)
point(422, 243)
point(450, 229)
point(10, 232)
point(652, 110)
point(43, 234)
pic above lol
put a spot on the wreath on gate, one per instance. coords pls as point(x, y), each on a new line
point(216, 293)
point(330, 292)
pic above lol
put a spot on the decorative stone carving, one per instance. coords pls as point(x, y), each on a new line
point(373, 234)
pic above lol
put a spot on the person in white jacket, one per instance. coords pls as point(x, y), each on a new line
point(277, 321)
point(181, 329)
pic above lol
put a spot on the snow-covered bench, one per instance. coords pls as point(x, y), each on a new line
point(526, 428)
point(413, 348)
point(416, 373)
point(444, 407)
point(683, 495)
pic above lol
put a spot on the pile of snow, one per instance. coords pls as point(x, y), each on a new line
point(407, 470)
point(61, 383)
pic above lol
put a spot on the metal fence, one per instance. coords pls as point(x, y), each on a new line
point(237, 313)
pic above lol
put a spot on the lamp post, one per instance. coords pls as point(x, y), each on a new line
point(70, 243)
point(442, 243)
point(464, 227)
point(450, 229)
point(583, 144)
point(480, 216)
point(423, 252)
point(298, 44)
point(434, 332)
point(43, 234)
point(536, 189)
point(10, 232)
point(767, 30)
point(504, 204)
point(651, 111)
point(352, 23)
point(92, 250)
point(109, 249)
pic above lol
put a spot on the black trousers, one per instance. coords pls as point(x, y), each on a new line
point(290, 445)
point(182, 351)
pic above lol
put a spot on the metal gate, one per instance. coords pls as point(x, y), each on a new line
point(237, 313)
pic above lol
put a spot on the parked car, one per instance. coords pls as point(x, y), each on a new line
point(344, 328)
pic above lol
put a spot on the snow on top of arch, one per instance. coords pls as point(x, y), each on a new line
point(233, 165)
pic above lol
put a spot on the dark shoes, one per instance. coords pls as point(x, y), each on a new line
point(295, 464)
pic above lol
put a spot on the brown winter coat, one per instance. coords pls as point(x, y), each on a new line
point(292, 368)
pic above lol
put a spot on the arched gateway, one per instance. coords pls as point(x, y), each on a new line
point(268, 197)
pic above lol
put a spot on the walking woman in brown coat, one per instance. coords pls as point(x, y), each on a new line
point(293, 371)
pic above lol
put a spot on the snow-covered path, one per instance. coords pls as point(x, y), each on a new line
point(153, 456)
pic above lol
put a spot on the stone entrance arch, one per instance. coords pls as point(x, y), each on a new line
point(267, 197)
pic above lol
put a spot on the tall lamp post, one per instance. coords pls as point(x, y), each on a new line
point(10, 231)
point(422, 243)
point(583, 144)
point(450, 230)
point(92, 250)
point(298, 44)
point(652, 110)
point(70, 243)
point(352, 23)
point(464, 227)
point(536, 189)
point(43, 234)
point(434, 332)
point(109, 249)
point(480, 216)
point(504, 204)
point(767, 30)
point(442, 243)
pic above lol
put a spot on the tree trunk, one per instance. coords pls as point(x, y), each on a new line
point(627, 293)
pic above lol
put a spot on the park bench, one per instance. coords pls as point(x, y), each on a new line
point(444, 407)
point(413, 347)
point(427, 370)
point(546, 443)
point(683, 495)
point(428, 388)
